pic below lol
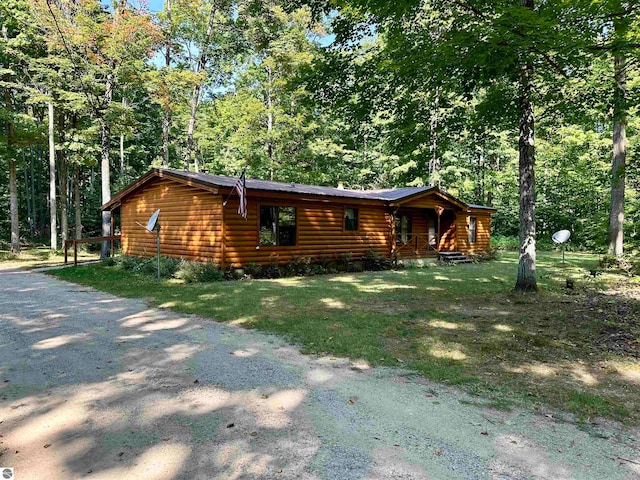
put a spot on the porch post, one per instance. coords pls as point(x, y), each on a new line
point(392, 231)
point(439, 211)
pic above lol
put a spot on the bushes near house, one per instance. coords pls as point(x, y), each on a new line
point(191, 272)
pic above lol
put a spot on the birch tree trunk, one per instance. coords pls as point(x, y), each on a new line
point(62, 185)
point(166, 114)
point(526, 278)
point(105, 173)
point(53, 225)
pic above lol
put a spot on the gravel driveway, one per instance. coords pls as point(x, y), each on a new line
point(97, 386)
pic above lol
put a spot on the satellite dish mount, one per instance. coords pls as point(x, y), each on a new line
point(152, 225)
point(561, 237)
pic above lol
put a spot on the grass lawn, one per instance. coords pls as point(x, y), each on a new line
point(39, 257)
point(575, 350)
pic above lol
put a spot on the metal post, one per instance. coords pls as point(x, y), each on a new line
point(158, 248)
point(75, 253)
point(66, 251)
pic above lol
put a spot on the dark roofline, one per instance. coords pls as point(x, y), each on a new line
point(481, 207)
point(395, 196)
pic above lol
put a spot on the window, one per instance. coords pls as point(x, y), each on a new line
point(403, 228)
point(351, 219)
point(277, 226)
point(473, 228)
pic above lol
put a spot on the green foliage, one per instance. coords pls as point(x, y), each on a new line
point(502, 242)
point(373, 261)
point(191, 272)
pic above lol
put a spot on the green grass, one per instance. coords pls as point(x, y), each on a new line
point(38, 257)
point(459, 325)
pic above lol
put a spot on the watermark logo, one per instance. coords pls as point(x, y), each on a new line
point(7, 473)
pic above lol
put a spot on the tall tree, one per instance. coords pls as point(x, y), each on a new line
point(118, 37)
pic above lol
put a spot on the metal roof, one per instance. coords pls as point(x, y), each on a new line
point(205, 179)
point(252, 184)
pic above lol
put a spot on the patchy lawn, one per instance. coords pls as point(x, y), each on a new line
point(576, 350)
point(38, 257)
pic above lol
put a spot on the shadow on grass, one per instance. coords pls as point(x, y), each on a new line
point(460, 325)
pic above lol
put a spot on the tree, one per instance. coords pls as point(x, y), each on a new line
point(104, 45)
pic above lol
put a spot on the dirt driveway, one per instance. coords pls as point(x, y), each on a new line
point(96, 386)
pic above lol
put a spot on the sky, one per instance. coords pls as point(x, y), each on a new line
point(155, 5)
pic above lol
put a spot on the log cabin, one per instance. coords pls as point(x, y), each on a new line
point(200, 221)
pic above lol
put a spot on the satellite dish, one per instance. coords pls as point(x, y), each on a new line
point(153, 220)
point(561, 236)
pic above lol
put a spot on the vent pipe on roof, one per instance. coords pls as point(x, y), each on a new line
point(340, 186)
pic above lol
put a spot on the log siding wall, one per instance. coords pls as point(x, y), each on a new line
point(319, 231)
point(483, 233)
point(190, 220)
point(196, 225)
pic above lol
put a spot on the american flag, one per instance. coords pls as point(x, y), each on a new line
point(241, 188)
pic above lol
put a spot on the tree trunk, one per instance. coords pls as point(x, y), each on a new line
point(77, 201)
point(13, 205)
point(618, 163)
point(189, 158)
point(121, 156)
point(526, 279)
point(62, 185)
point(434, 162)
point(53, 225)
point(13, 181)
point(166, 114)
point(197, 91)
point(34, 217)
point(105, 173)
point(270, 124)
point(27, 193)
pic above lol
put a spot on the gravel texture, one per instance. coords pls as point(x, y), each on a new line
point(95, 386)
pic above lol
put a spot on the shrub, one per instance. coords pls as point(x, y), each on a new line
point(271, 271)
point(375, 262)
point(149, 266)
point(343, 262)
point(502, 242)
point(253, 270)
point(300, 266)
point(613, 262)
point(130, 263)
point(492, 254)
point(109, 262)
point(198, 272)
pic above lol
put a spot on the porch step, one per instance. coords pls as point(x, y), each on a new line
point(453, 257)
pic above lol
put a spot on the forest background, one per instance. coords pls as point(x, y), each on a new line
point(363, 93)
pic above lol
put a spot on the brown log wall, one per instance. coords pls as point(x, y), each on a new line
point(319, 231)
point(190, 219)
point(483, 233)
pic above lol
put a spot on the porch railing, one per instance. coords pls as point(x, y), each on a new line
point(112, 239)
point(416, 244)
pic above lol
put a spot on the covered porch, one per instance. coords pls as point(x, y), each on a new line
point(422, 232)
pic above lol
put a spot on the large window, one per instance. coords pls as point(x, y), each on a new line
point(473, 229)
point(403, 228)
point(351, 219)
point(277, 226)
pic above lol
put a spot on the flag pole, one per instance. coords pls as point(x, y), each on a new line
point(243, 174)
